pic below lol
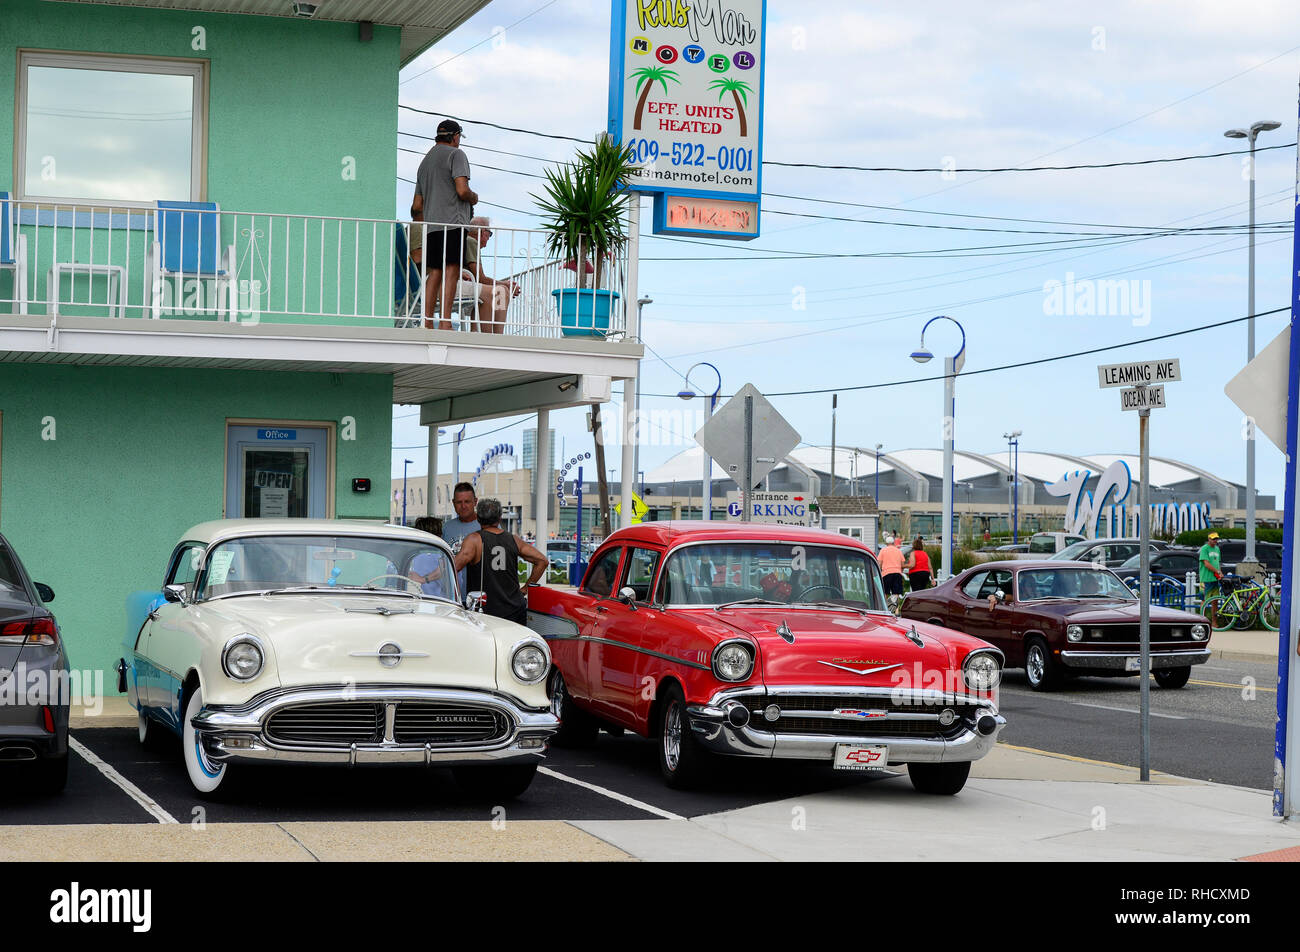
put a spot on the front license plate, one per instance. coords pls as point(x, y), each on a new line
point(1132, 664)
point(861, 756)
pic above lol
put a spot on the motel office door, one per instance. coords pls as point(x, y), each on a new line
point(277, 472)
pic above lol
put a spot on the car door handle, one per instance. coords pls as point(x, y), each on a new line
point(601, 609)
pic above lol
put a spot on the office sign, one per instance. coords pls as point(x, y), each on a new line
point(269, 433)
point(706, 217)
point(1140, 373)
point(1142, 398)
point(686, 95)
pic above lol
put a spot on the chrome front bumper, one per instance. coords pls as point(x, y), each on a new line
point(1118, 660)
point(235, 734)
point(711, 728)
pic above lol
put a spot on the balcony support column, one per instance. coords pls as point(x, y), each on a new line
point(631, 318)
point(431, 484)
point(542, 465)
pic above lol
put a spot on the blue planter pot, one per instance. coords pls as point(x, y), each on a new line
point(584, 313)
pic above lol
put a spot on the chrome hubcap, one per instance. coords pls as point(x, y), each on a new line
point(1035, 665)
point(672, 737)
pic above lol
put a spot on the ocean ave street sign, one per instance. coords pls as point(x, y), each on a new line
point(723, 436)
point(1142, 398)
point(1140, 373)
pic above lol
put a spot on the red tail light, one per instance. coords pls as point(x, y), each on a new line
point(37, 631)
point(49, 718)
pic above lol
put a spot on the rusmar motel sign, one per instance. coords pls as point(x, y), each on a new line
point(686, 95)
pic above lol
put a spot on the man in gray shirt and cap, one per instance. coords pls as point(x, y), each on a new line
point(443, 198)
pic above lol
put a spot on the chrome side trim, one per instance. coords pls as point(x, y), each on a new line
point(636, 648)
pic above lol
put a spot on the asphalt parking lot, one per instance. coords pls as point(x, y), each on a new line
point(618, 779)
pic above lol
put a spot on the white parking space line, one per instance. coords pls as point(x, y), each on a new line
point(135, 793)
point(603, 791)
point(1127, 710)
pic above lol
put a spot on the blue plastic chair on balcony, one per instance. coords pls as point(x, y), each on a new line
point(13, 250)
point(187, 247)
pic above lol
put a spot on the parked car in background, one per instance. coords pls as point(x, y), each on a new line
point(1111, 553)
point(311, 641)
point(561, 551)
point(1063, 618)
point(1013, 547)
point(1174, 561)
point(765, 641)
point(1233, 551)
point(1043, 544)
point(34, 699)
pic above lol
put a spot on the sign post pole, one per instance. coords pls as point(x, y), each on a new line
point(746, 506)
point(1144, 596)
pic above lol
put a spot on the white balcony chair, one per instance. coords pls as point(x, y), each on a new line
point(186, 246)
point(13, 249)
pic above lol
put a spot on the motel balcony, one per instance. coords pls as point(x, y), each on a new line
point(194, 285)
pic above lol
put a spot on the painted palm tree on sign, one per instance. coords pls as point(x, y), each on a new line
point(646, 77)
point(739, 90)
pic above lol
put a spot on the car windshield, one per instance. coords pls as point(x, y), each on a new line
point(269, 563)
point(1072, 552)
point(1071, 583)
point(784, 574)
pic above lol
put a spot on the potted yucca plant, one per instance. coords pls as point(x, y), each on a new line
point(585, 211)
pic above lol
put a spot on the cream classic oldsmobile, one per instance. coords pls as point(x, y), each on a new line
point(331, 642)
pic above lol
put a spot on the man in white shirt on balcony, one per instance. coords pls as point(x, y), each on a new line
point(492, 296)
point(444, 199)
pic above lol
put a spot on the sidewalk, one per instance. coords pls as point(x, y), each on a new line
point(1259, 645)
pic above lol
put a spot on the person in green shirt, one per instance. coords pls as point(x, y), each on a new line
point(1210, 562)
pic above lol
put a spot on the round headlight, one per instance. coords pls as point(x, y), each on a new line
point(1199, 632)
point(1074, 633)
point(242, 658)
point(982, 671)
point(734, 661)
point(529, 663)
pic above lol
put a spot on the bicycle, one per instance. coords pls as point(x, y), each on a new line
point(1241, 604)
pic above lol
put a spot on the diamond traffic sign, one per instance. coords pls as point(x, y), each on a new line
point(723, 436)
point(1259, 390)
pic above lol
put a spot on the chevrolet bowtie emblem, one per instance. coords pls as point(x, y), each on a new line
point(863, 671)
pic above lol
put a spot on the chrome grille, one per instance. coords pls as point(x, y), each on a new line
point(329, 724)
point(1124, 634)
point(842, 727)
point(443, 725)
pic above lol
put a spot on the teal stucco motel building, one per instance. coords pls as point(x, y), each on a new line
point(202, 306)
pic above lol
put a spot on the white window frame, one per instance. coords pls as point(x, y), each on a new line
point(197, 69)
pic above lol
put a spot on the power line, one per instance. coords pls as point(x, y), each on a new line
point(1023, 363)
point(886, 168)
point(476, 45)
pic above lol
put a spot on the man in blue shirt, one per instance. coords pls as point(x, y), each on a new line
point(463, 499)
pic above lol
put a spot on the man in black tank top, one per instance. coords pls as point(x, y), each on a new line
point(492, 556)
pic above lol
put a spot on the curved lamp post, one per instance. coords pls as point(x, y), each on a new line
point(951, 367)
point(1013, 440)
point(686, 393)
point(1263, 126)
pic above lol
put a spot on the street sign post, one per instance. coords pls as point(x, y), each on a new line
point(747, 436)
point(1144, 390)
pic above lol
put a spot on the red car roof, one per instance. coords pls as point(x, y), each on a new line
point(678, 531)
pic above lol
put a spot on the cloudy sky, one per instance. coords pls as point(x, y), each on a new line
point(938, 85)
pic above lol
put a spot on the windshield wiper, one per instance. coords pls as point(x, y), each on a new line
point(360, 589)
point(750, 601)
point(851, 608)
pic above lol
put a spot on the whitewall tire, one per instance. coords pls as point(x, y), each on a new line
point(205, 775)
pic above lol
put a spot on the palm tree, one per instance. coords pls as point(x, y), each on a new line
point(738, 91)
point(647, 76)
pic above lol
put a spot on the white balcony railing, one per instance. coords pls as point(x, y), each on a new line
point(252, 267)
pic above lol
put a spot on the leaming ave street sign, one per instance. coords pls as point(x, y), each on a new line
point(1140, 373)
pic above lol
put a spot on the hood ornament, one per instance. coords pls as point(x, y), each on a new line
point(382, 610)
point(913, 637)
point(785, 632)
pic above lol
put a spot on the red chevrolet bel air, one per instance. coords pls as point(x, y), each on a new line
point(762, 641)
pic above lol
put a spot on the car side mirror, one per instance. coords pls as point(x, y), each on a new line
point(627, 595)
point(46, 593)
point(174, 593)
point(475, 601)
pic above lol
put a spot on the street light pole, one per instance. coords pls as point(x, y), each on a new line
point(951, 367)
point(405, 463)
point(1013, 494)
point(686, 393)
point(1251, 133)
point(879, 446)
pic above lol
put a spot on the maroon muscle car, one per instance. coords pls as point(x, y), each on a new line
point(1063, 618)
